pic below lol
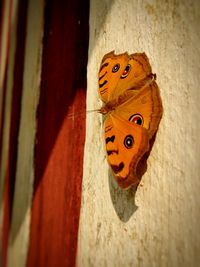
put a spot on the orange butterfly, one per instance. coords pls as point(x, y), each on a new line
point(133, 110)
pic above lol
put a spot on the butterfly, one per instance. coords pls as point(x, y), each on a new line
point(133, 109)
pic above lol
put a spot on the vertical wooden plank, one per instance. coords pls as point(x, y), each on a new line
point(60, 136)
point(5, 34)
point(4, 45)
point(19, 231)
point(4, 39)
point(8, 138)
point(159, 224)
point(15, 87)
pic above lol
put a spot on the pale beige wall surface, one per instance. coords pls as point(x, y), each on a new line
point(159, 224)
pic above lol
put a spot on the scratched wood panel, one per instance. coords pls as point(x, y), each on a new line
point(5, 13)
point(46, 155)
point(22, 200)
point(4, 47)
point(10, 112)
point(60, 136)
point(157, 225)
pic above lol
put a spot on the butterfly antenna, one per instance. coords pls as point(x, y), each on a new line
point(77, 114)
point(92, 110)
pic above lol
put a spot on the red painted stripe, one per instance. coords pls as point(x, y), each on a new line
point(14, 128)
point(60, 136)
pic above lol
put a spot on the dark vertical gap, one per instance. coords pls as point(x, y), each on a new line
point(2, 113)
point(15, 120)
point(4, 185)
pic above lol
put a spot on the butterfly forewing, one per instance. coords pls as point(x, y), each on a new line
point(135, 75)
point(111, 69)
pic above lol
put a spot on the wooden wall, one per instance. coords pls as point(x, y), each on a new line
point(42, 139)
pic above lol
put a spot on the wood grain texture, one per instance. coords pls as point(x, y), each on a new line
point(11, 69)
point(4, 46)
point(158, 224)
point(20, 223)
point(12, 117)
point(43, 137)
point(5, 30)
point(60, 136)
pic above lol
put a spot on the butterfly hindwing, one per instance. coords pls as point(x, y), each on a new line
point(126, 143)
point(144, 108)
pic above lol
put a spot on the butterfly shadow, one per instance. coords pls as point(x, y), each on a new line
point(124, 200)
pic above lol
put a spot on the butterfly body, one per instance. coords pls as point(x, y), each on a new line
point(132, 109)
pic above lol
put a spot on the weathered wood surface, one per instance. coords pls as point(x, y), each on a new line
point(159, 224)
point(21, 210)
point(11, 89)
point(60, 136)
point(43, 156)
